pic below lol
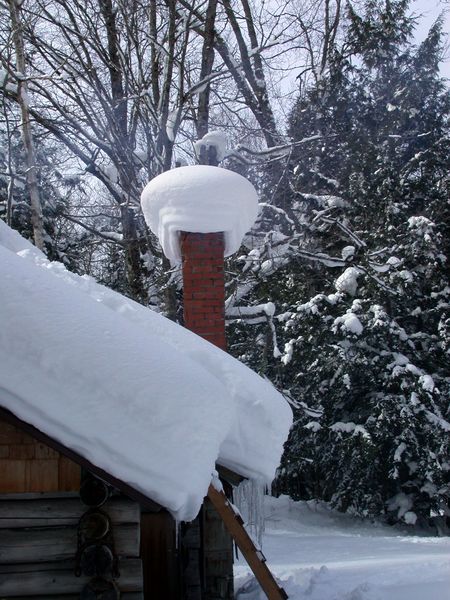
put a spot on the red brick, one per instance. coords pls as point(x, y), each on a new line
point(203, 283)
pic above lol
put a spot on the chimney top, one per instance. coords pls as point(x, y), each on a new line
point(199, 199)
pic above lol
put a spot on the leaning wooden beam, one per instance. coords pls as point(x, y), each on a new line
point(252, 555)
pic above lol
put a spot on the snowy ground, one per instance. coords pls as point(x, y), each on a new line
point(317, 554)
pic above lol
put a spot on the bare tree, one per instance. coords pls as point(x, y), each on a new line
point(122, 85)
point(22, 98)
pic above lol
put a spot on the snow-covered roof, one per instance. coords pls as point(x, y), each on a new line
point(138, 396)
point(199, 199)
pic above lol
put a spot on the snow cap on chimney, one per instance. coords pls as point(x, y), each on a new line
point(216, 140)
point(199, 199)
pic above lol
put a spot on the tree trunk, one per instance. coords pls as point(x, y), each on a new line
point(134, 267)
point(30, 154)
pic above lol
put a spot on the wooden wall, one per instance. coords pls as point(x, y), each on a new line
point(38, 545)
point(159, 556)
point(27, 465)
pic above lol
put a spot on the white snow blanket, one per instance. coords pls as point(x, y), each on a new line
point(199, 199)
point(319, 554)
point(137, 395)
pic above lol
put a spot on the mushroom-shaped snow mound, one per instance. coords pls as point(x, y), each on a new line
point(199, 199)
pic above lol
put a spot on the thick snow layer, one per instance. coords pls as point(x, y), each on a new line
point(348, 252)
point(349, 322)
point(199, 199)
point(137, 395)
point(215, 139)
point(319, 554)
point(347, 282)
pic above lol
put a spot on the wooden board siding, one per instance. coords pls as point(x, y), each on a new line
point(57, 543)
point(27, 465)
point(38, 545)
point(57, 578)
point(58, 509)
point(159, 556)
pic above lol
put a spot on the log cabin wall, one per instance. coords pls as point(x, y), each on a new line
point(27, 465)
point(40, 509)
point(39, 540)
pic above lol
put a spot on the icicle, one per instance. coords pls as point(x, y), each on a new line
point(249, 498)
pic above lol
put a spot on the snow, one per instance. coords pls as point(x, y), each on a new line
point(267, 309)
point(199, 199)
point(410, 517)
point(325, 200)
point(401, 503)
point(7, 85)
point(406, 275)
point(215, 139)
point(399, 451)
point(319, 554)
point(420, 222)
point(137, 395)
point(313, 426)
point(288, 352)
point(350, 427)
point(348, 252)
point(171, 123)
point(347, 282)
point(427, 382)
point(349, 322)
point(394, 261)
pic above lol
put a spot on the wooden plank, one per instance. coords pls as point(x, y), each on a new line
point(58, 543)
point(69, 474)
point(41, 475)
point(20, 474)
point(26, 451)
point(12, 475)
point(245, 544)
point(44, 451)
point(6, 427)
point(50, 579)
point(42, 511)
point(38, 495)
point(13, 435)
point(159, 556)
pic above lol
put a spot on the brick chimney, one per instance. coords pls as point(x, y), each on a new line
point(200, 215)
point(203, 285)
point(202, 256)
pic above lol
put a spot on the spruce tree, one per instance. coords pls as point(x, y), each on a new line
point(366, 356)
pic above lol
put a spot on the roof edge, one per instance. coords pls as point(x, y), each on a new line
point(39, 435)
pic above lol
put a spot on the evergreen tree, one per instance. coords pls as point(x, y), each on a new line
point(366, 359)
